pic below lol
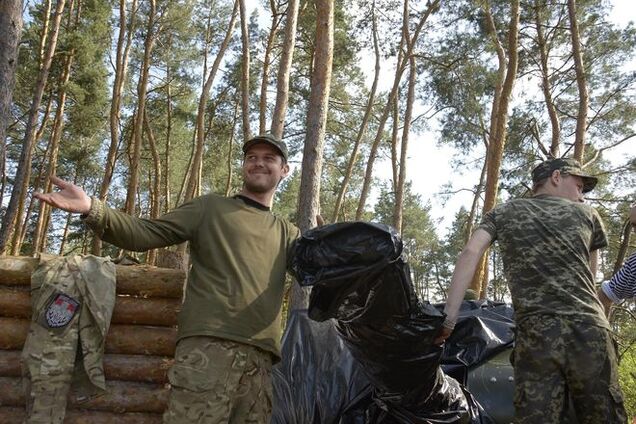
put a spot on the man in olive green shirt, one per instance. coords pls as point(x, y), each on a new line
point(563, 347)
point(229, 328)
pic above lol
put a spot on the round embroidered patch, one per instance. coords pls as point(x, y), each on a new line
point(60, 311)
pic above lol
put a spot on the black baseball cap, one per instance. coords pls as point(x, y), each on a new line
point(566, 166)
point(267, 139)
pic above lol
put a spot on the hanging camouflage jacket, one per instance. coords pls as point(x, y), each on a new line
point(72, 300)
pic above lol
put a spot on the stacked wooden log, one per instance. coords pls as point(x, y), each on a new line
point(139, 345)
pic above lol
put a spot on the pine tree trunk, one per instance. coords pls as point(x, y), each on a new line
point(365, 122)
point(39, 236)
point(309, 200)
point(245, 73)
point(137, 130)
point(395, 141)
point(10, 33)
point(167, 204)
point(507, 74)
point(155, 191)
point(23, 171)
point(399, 192)
point(267, 58)
point(197, 158)
point(124, 41)
point(228, 181)
point(470, 221)
point(546, 86)
point(622, 250)
point(581, 83)
point(284, 69)
point(406, 44)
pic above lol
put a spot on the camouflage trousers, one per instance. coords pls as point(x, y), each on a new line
point(219, 381)
point(557, 360)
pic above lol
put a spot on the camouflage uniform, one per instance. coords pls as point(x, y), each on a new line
point(72, 301)
point(219, 381)
point(563, 345)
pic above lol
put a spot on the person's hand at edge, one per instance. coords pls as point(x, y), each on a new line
point(70, 198)
point(444, 333)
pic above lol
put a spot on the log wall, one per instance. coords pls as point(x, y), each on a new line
point(139, 345)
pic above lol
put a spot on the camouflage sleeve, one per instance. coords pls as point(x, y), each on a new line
point(488, 224)
point(599, 238)
point(139, 234)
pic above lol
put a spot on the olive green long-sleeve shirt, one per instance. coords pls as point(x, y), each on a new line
point(239, 256)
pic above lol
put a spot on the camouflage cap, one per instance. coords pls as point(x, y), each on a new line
point(267, 139)
point(567, 166)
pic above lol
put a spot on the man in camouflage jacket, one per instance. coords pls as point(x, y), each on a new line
point(563, 346)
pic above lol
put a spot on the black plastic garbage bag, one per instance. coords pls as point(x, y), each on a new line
point(358, 266)
point(318, 381)
point(317, 378)
point(484, 328)
point(361, 279)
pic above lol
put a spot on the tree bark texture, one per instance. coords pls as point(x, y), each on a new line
point(137, 130)
point(309, 200)
point(267, 61)
point(507, 73)
point(284, 69)
point(581, 83)
point(124, 41)
point(24, 164)
point(39, 236)
point(546, 87)
point(399, 192)
point(10, 34)
point(245, 73)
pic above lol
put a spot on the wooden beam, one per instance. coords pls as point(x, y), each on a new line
point(137, 280)
point(141, 368)
point(15, 302)
point(122, 396)
point(124, 339)
point(11, 414)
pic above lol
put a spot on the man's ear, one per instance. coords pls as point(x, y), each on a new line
point(285, 169)
point(556, 176)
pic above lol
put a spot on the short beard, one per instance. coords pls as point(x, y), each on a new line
point(254, 188)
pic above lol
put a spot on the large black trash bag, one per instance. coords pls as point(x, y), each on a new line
point(484, 328)
point(356, 264)
point(361, 279)
point(317, 378)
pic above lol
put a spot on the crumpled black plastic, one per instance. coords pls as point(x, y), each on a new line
point(484, 328)
point(361, 279)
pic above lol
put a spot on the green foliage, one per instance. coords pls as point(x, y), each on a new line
point(418, 235)
point(627, 370)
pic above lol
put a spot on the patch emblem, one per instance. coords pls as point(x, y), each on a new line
point(60, 311)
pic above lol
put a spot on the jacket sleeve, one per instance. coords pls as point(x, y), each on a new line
point(139, 234)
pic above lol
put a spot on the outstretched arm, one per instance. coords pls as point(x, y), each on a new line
point(465, 268)
point(70, 198)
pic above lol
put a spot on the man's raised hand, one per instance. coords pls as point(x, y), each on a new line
point(70, 198)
